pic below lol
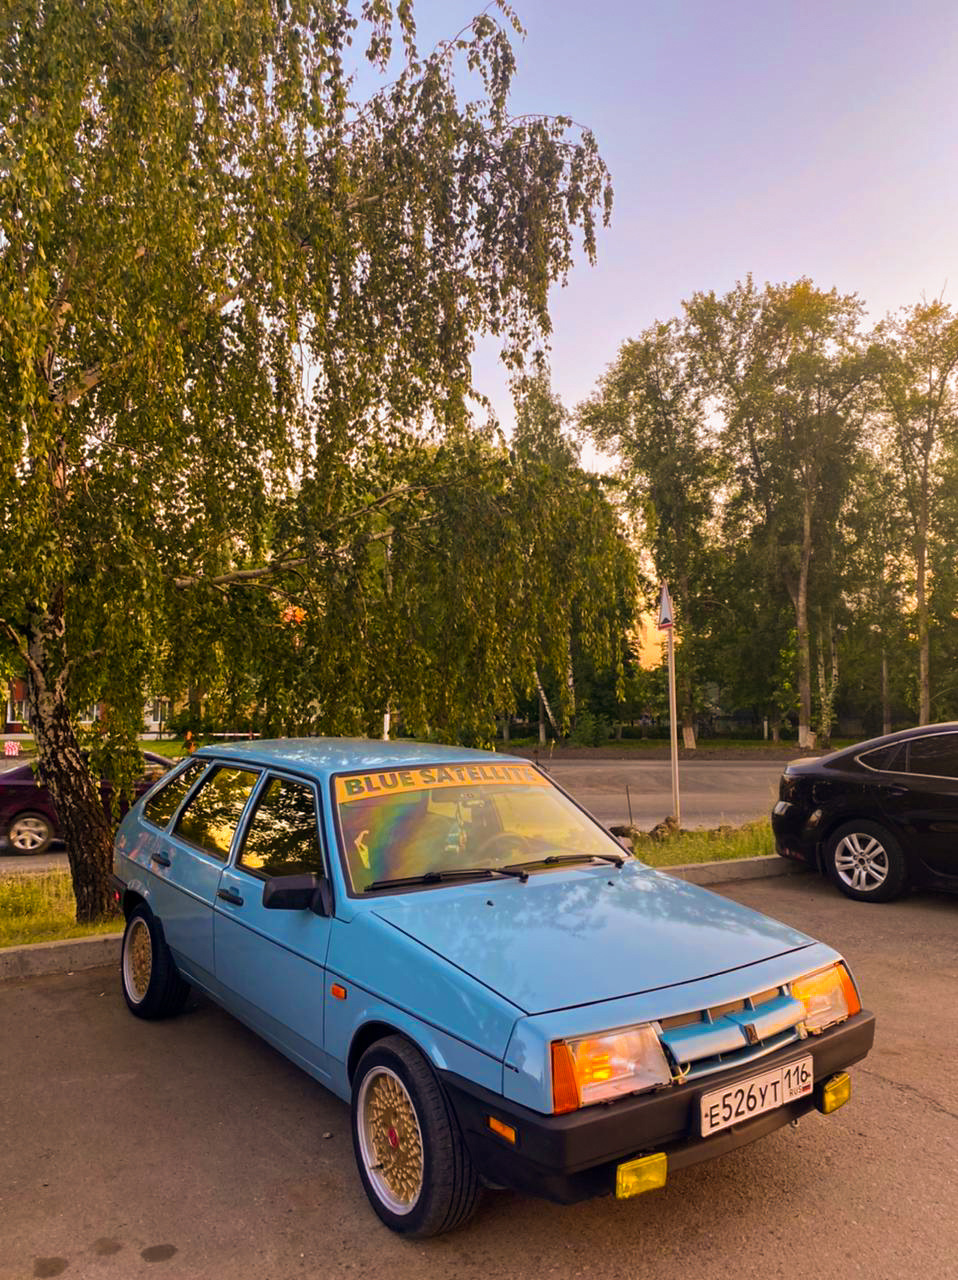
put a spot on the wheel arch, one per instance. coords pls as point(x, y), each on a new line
point(369, 1034)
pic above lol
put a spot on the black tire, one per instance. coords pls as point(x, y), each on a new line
point(152, 987)
point(449, 1189)
point(29, 833)
point(865, 861)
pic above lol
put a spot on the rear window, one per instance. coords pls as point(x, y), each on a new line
point(935, 756)
point(164, 803)
point(213, 814)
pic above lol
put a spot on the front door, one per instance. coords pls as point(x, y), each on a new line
point(270, 963)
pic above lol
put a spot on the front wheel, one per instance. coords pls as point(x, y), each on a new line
point(412, 1160)
point(866, 862)
point(152, 987)
point(30, 833)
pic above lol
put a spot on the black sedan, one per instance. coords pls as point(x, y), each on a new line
point(879, 817)
point(28, 819)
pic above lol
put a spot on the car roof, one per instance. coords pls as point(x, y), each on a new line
point(323, 756)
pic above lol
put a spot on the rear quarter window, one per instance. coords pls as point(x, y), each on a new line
point(885, 759)
point(164, 803)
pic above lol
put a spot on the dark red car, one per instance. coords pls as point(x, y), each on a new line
point(28, 820)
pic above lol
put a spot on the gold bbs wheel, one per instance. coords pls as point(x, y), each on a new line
point(137, 960)
point(390, 1140)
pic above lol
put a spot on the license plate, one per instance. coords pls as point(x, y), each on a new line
point(737, 1102)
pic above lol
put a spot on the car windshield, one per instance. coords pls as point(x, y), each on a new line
point(403, 824)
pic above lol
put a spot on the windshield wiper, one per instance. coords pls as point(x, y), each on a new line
point(617, 859)
point(453, 873)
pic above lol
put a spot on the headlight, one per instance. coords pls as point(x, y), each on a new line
point(829, 996)
point(598, 1068)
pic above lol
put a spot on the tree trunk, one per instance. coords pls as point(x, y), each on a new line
point(542, 722)
point(505, 729)
point(684, 679)
point(885, 700)
point(806, 738)
point(62, 768)
point(921, 573)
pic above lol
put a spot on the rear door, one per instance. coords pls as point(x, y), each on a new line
point(923, 801)
point(270, 964)
point(197, 849)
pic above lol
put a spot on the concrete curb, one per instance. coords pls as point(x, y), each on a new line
point(60, 957)
point(729, 869)
point(102, 949)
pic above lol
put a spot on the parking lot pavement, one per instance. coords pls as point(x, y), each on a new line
point(191, 1149)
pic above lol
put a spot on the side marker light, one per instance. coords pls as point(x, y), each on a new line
point(337, 992)
point(504, 1130)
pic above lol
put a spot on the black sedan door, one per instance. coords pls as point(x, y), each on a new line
point(921, 800)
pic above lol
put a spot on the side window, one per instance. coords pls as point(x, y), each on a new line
point(210, 818)
point(886, 759)
point(936, 755)
point(161, 806)
point(282, 838)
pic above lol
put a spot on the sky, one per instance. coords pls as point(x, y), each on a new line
point(778, 137)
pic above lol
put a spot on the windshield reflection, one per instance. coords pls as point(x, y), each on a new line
point(417, 822)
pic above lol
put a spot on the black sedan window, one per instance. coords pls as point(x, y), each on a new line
point(937, 755)
point(211, 817)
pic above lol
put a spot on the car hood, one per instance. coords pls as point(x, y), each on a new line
point(571, 938)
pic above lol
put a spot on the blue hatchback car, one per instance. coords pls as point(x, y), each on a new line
point(448, 942)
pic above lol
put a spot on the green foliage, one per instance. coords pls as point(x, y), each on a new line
point(237, 311)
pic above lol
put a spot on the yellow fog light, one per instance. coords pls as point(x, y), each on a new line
point(836, 1092)
point(645, 1174)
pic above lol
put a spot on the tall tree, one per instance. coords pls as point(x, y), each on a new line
point(918, 371)
point(789, 370)
point(649, 409)
point(220, 273)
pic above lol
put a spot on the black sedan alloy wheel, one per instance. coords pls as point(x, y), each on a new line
point(866, 862)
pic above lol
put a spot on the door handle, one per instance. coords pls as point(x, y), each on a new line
point(160, 859)
point(895, 791)
point(228, 895)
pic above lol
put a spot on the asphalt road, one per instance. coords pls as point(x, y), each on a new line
point(189, 1150)
point(712, 792)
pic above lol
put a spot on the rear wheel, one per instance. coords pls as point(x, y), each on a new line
point(152, 987)
point(866, 862)
point(30, 833)
point(412, 1160)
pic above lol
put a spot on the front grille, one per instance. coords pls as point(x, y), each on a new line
point(726, 1035)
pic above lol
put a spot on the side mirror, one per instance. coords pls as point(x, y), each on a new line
point(298, 893)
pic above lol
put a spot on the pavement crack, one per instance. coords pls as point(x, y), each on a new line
point(902, 1087)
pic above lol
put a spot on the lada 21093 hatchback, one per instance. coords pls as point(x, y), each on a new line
point(448, 942)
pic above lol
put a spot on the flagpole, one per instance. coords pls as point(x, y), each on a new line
point(667, 623)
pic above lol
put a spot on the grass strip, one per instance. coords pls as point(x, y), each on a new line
point(42, 908)
point(754, 840)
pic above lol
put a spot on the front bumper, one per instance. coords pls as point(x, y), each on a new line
point(572, 1157)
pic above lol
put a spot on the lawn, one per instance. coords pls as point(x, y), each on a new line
point(751, 841)
point(41, 908)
